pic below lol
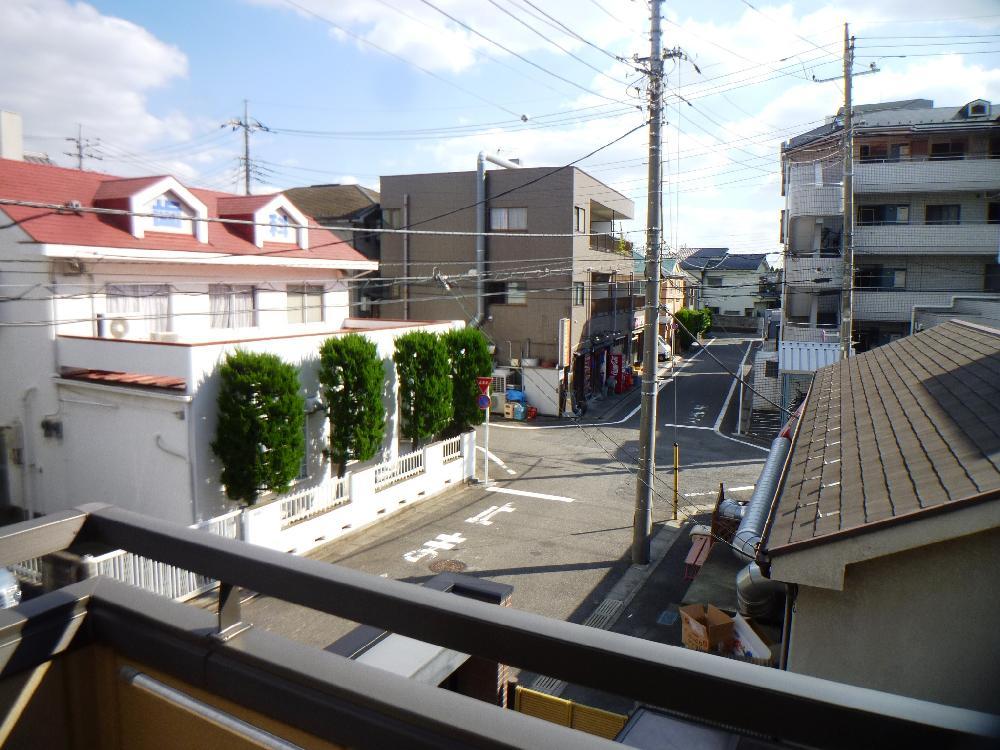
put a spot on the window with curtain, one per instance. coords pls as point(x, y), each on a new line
point(305, 303)
point(232, 305)
point(145, 306)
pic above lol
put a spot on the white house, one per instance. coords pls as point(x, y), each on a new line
point(728, 283)
point(119, 298)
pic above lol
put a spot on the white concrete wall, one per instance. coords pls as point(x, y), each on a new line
point(921, 623)
point(262, 523)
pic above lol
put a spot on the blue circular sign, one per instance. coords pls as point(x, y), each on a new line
point(484, 401)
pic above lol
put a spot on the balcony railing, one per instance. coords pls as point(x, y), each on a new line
point(927, 175)
point(814, 272)
point(895, 305)
point(935, 239)
point(611, 243)
point(315, 692)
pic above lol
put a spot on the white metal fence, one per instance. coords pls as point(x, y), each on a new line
point(304, 504)
point(451, 449)
point(29, 571)
point(160, 578)
point(403, 467)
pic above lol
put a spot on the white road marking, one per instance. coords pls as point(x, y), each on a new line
point(430, 549)
point(496, 459)
point(483, 519)
point(523, 493)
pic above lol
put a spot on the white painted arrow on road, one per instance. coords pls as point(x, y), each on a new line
point(483, 519)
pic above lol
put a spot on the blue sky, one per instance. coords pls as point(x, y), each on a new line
point(151, 83)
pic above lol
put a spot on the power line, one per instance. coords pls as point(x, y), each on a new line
point(402, 59)
point(554, 43)
point(509, 51)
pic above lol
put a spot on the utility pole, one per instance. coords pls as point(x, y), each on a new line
point(82, 147)
point(248, 126)
point(847, 293)
point(642, 522)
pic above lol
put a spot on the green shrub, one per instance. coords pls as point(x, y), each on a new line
point(425, 390)
point(692, 323)
point(352, 377)
point(470, 359)
point(259, 438)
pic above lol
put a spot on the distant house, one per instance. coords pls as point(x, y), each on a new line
point(348, 211)
point(730, 283)
point(121, 298)
point(888, 520)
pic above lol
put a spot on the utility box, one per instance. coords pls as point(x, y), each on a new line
point(704, 627)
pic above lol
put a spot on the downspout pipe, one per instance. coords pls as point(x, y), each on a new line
point(755, 592)
point(481, 230)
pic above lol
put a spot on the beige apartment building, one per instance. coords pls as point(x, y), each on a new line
point(556, 290)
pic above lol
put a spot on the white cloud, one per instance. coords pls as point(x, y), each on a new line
point(426, 37)
point(66, 63)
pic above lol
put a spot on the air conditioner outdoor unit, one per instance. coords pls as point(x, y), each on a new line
point(118, 328)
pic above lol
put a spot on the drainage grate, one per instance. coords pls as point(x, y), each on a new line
point(447, 566)
point(602, 617)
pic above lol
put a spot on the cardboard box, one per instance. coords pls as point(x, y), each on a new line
point(704, 627)
point(749, 643)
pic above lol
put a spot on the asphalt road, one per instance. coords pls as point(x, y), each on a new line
point(556, 524)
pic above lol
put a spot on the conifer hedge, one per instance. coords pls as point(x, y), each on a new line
point(259, 437)
point(469, 354)
point(425, 389)
point(352, 378)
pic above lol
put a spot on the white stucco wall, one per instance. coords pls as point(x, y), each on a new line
point(109, 450)
point(920, 623)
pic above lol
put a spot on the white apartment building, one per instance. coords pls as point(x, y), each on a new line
point(113, 325)
point(927, 222)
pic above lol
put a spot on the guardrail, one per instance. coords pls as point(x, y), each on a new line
point(158, 577)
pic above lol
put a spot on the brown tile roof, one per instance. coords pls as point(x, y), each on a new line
point(137, 379)
point(327, 202)
point(905, 429)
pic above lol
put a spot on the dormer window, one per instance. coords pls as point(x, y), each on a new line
point(266, 218)
point(167, 213)
point(976, 108)
point(279, 229)
point(155, 204)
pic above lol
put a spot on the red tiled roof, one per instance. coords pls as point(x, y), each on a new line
point(45, 184)
point(241, 205)
point(112, 377)
point(124, 187)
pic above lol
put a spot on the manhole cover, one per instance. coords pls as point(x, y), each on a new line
point(447, 566)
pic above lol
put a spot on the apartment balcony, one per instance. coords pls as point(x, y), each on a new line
point(814, 272)
point(98, 663)
point(927, 239)
point(923, 175)
point(620, 306)
point(895, 306)
point(815, 200)
point(611, 243)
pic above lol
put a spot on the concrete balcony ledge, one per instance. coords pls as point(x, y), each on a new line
point(815, 200)
point(927, 239)
point(927, 176)
point(897, 306)
point(814, 272)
